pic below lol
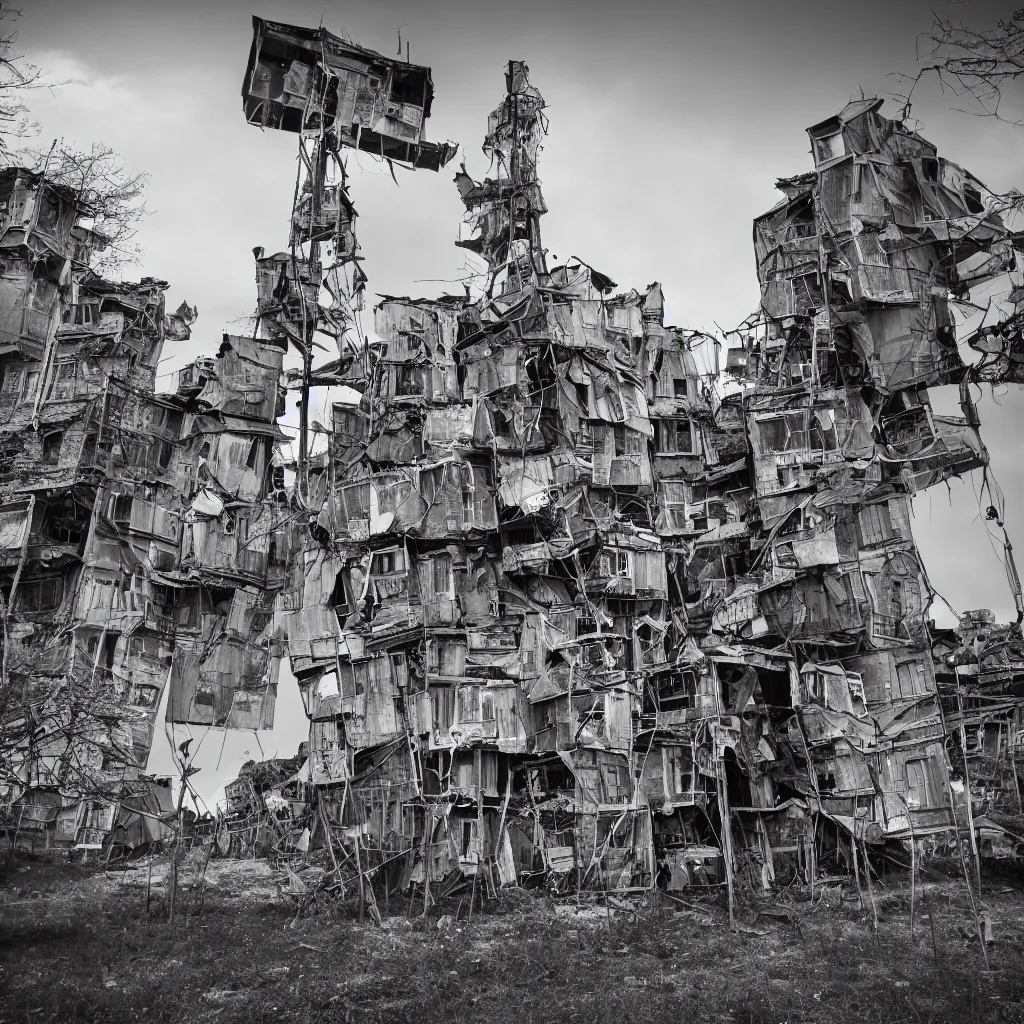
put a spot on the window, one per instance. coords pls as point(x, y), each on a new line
point(861, 186)
point(615, 563)
point(163, 450)
point(430, 483)
point(736, 565)
point(12, 382)
point(822, 434)
point(408, 380)
point(254, 449)
point(679, 387)
point(917, 784)
point(121, 510)
point(51, 446)
point(807, 292)
point(442, 575)
point(896, 600)
point(521, 535)
point(676, 436)
point(829, 148)
point(399, 669)
point(628, 442)
point(783, 433)
point(972, 197)
point(63, 386)
point(386, 562)
point(789, 476)
point(40, 595)
point(486, 707)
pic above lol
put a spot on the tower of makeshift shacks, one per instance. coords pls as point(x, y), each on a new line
point(581, 615)
point(85, 455)
point(559, 604)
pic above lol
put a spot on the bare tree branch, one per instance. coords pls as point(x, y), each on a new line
point(112, 196)
point(976, 64)
point(17, 76)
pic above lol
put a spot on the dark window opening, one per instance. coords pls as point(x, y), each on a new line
point(109, 649)
point(51, 447)
point(40, 595)
point(679, 387)
point(408, 87)
point(972, 197)
point(896, 600)
point(628, 442)
point(502, 425)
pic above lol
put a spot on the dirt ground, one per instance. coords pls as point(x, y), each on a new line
point(79, 944)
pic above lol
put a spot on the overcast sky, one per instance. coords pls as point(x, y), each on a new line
point(669, 124)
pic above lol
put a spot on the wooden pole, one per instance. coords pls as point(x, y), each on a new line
point(913, 878)
point(177, 842)
point(856, 869)
point(871, 891)
point(724, 814)
point(967, 781)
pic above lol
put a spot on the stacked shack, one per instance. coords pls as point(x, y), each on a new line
point(560, 605)
point(574, 609)
point(88, 517)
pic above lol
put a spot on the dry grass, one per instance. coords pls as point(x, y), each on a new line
point(80, 948)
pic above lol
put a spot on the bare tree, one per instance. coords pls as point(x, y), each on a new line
point(17, 75)
point(112, 195)
point(979, 64)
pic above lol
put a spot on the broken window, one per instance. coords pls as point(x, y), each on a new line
point(40, 595)
point(676, 691)
point(896, 600)
point(408, 380)
point(442, 573)
point(628, 442)
point(387, 562)
point(12, 382)
point(676, 437)
point(502, 425)
point(807, 292)
point(972, 199)
point(486, 707)
point(120, 507)
point(822, 434)
point(615, 563)
point(917, 784)
point(62, 387)
point(430, 483)
point(52, 443)
point(20, 384)
point(784, 433)
point(830, 147)
point(400, 669)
